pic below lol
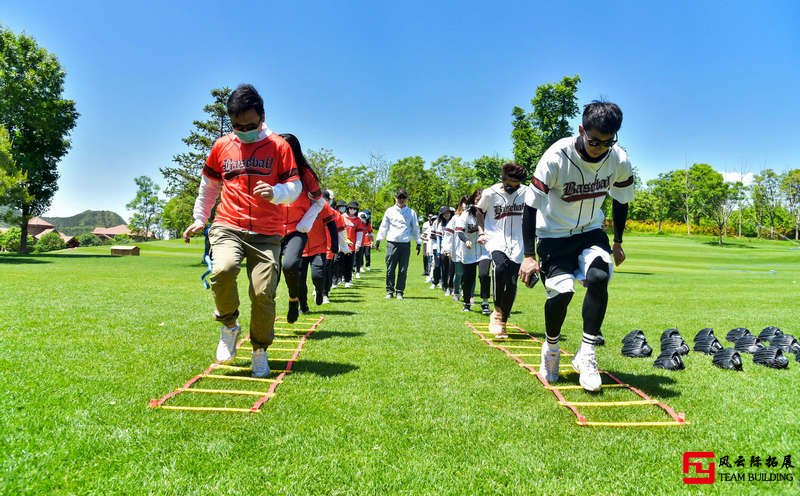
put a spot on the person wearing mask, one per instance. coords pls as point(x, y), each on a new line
point(499, 216)
point(253, 172)
point(571, 181)
point(444, 250)
point(298, 219)
point(322, 237)
point(475, 258)
point(355, 234)
point(398, 227)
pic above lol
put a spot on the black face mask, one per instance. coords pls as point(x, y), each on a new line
point(510, 189)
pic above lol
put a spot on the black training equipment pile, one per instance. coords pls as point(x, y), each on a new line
point(727, 358)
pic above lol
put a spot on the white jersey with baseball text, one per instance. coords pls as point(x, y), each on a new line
point(467, 223)
point(503, 219)
point(568, 192)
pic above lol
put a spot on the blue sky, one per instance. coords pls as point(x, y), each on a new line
point(712, 82)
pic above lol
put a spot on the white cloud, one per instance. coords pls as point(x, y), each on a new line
point(732, 177)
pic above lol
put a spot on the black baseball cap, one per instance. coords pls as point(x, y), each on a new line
point(401, 193)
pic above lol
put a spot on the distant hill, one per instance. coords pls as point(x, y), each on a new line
point(85, 222)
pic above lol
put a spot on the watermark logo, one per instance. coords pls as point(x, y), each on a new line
point(701, 475)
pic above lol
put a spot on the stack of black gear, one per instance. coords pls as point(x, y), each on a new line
point(634, 345)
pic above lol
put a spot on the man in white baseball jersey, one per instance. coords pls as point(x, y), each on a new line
point(499, 216)
point(565, 213)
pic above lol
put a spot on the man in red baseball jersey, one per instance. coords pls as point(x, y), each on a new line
point(254, 170)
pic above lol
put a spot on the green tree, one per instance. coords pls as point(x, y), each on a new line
point(532, 133)
point(10, 240)
point(177, 214)
point(325, 164)
point(664, 197)
point(766, 198)
point(184, 176)
point(147, 206)
point(488, 169)
point(790, 186)
point(422, 185)
point(457, 177)
point(38, 121)
point(89, 239)
point(10, 176)
point(50, 242)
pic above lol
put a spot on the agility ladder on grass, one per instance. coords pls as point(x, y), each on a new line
point(263, 396)
point(520, 354)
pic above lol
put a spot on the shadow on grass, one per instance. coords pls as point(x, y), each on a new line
point(333, 312)
point(633, 273)
point(320, 335)
point(20, 260)
point(650, 384)
point(419, 297)
point(322, 369)
point(727, 245)
point(347, 300)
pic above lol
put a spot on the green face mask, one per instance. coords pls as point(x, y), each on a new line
point(248, 136)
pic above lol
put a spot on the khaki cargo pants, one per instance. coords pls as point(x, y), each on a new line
point(229, 246)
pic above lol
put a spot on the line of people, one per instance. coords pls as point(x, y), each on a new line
point(270, 212)
point(271, 208)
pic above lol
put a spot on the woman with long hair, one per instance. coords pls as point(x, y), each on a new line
point(475, 258)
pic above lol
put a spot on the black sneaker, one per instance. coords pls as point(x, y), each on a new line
point(485, 309)
point(304, 307)
point(318, 297)
point(466, 307)
point(293, 313)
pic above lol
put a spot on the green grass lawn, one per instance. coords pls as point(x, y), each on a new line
point(389, 397)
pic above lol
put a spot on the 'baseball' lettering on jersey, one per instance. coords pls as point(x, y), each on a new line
point(597, 186)
point(230, 165)
point(501, 211)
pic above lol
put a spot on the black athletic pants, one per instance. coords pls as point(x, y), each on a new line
point(292, 248)
point(506, 273)
point(318, 276)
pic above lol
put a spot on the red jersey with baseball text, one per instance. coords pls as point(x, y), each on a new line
point(294, 213)
point(240, 166)
point(318, 236)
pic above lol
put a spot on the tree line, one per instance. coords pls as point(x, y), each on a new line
point(35, 123)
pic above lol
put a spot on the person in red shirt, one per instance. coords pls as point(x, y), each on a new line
point(332, 256)
point(299, 217)
point(355, 233)
point(363, 254)
point(253, 171)
point(322, 237)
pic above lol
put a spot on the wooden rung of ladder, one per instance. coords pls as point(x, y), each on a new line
point(608, 403)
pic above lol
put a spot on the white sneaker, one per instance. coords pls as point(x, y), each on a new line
point(325, 300)
point(434, 286)
point(427, 279)
point(496, 326)
point(447, 292)
point(389, 296)
point(399, 296)
point(358, 275)
point(260, 363)
point(586, 365)
point(348, 285)
point(226, 348)
point(548, 367)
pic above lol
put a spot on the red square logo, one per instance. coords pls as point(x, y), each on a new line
point(702, 475)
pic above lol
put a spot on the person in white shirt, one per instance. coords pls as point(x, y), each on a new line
point(474, 257)
point(398, 227)
point(569, 185)
point(499, 216)
point(427, 249)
